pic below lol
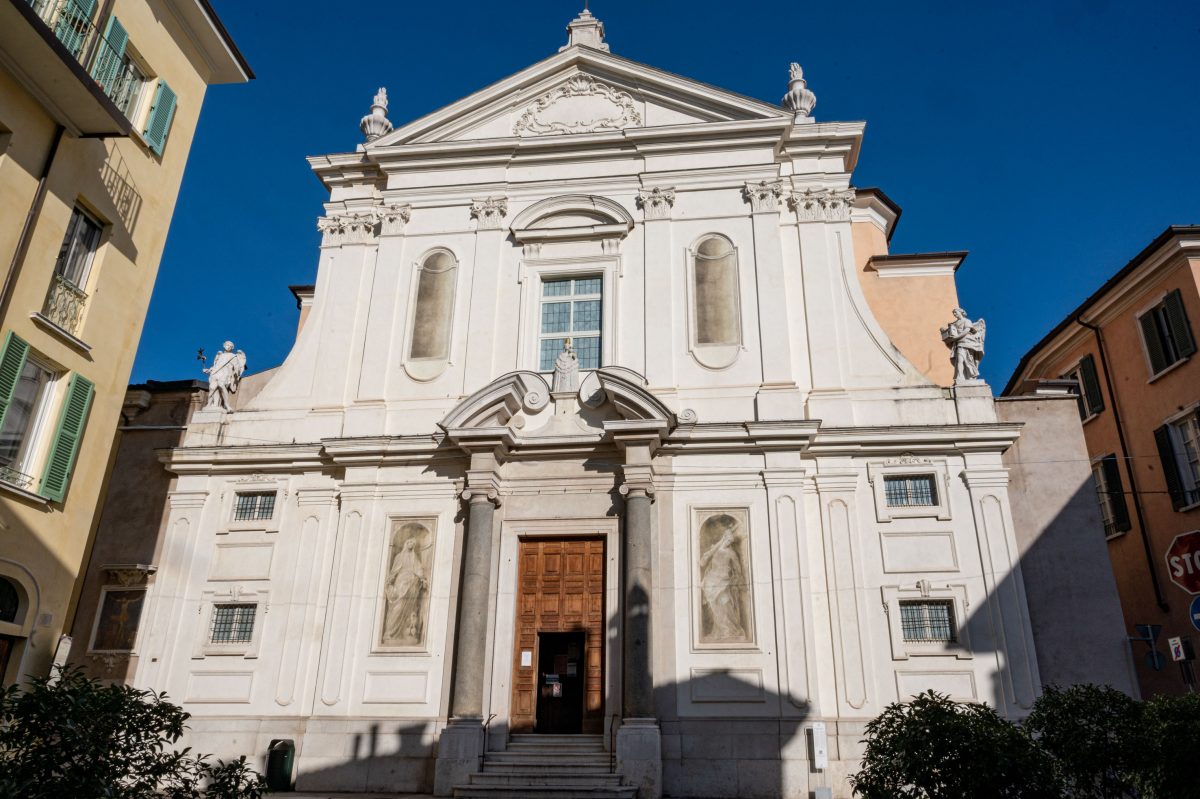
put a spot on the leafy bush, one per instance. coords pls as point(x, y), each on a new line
point(935, 748)
point(74, 737)
point(1093, 733)
point(1170, 734)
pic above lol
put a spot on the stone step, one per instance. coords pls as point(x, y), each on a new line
point(535, 736)
point(564, 745)
point(556, 791)
point(543, 778)
point(551, 758)
point(543, 767)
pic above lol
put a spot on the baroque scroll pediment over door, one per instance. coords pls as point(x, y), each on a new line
point(581, 105)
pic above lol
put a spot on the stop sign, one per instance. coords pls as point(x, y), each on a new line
point(1183, 561)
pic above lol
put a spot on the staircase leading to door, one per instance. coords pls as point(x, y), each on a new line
point(558, 766)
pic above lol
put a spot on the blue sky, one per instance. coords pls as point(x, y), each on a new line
point(1053, 140)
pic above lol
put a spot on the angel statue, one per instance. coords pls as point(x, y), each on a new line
point(224, 376)
point(965, 340)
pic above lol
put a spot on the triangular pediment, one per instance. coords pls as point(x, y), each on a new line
point(579, 90)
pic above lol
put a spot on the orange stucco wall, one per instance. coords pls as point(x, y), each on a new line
point(1143, 406)
point(910, 309)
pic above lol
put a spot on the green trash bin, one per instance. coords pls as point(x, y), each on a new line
point(281, 759)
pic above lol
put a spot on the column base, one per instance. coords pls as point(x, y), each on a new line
point(776, 401)
point(459, 755)
point(639, 756)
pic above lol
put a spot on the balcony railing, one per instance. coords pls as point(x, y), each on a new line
point(65, 304)
point(15, 478)
point(73, 27)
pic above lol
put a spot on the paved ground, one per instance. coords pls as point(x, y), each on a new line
point(326, 795)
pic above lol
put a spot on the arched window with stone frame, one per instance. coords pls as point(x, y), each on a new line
point(432, 316)
point(715, 312)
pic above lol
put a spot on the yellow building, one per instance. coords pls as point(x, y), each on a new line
point(99, 101)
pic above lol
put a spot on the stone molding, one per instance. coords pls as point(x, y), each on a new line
point(763, 196)
point(822, 205)
point(537, 120)
point(489, 212)
point(128, 575)
point(656, 203)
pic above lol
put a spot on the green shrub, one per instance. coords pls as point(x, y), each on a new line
point(1094, 735)
point(1170, 733)
point(935, 748)
point(74, 737)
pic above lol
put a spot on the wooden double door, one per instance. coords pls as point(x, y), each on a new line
point(558, 658)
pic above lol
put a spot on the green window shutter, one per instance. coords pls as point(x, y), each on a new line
point(1091, 384)
point(161, 113)
point(1116, 493)
point(73, 23)
point(1177, 320)
point(110, 60)
point(65, 446)
point(12, 360)
point(1158, 358)
point(1170, 465)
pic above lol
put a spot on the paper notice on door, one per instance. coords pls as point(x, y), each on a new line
point(526, 658)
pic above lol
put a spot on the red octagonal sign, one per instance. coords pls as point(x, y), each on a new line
point(1183, 561)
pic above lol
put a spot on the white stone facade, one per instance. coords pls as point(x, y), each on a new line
point(761, 395)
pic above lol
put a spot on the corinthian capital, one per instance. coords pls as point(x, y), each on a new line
point(393, 218)
point(489, 212)
point(822, 205)
point(656, 203)
point(764, 195)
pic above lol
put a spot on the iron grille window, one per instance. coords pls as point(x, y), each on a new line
point(570, 308)
point(232, 624)
point(78, 249)
point(254, 507)
point(910, 491)
point(926, 622)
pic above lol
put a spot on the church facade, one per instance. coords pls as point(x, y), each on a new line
point(611, 421)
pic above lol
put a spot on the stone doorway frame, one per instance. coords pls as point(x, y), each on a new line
point(501, 682)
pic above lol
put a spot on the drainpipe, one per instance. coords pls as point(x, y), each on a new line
point(35, 208)
point(1159, 599)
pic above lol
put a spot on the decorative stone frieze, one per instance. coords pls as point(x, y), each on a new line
point(128, 575)
point(489, 212)
point(764, 195)
point(822, 205)
point(393, 218)
point(799, 99)
point(656, 203)
point(581, 105)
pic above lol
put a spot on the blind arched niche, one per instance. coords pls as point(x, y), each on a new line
point(432, 315)
point(716, 305)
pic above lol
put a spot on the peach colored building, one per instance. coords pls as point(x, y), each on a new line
point(1130, 349)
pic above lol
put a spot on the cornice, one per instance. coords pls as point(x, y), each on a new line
point(264, 458)
point(917, 439)
point(926, 264)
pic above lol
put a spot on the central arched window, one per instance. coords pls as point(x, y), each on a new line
point(433, 307)
point(716, 306)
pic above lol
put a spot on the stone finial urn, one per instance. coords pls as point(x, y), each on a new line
point(799, 99)
point(376, 124)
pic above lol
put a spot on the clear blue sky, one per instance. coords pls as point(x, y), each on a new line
point(1053, 140)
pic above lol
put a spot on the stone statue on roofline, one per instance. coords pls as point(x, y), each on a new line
point(965, 340)
point(224, 376)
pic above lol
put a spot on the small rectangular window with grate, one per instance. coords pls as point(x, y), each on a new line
point(232, 623)
point(927, 622)
point(254, 506)
point(910, 491)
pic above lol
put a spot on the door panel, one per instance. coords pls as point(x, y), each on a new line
point(560, 589)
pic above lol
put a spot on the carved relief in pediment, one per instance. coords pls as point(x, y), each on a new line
point(581, 105)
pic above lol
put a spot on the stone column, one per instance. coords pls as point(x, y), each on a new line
point(474, 593)
point(461, 746)
point(639, 743)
